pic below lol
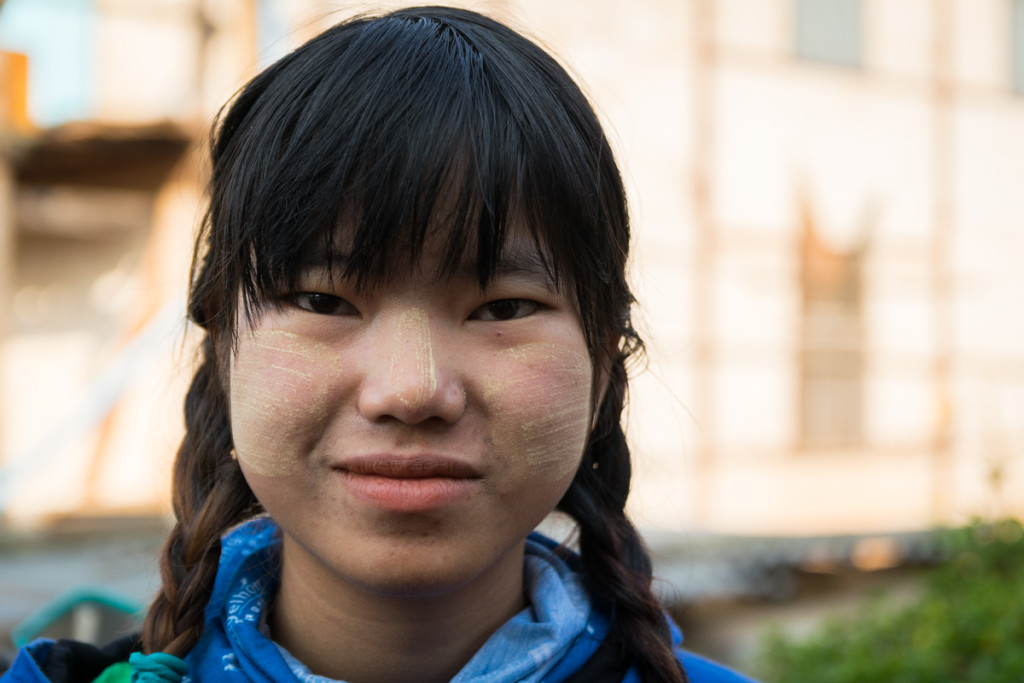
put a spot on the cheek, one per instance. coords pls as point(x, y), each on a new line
point(279, 383)
point(540, 406)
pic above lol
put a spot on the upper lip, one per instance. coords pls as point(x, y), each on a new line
point(409, 466)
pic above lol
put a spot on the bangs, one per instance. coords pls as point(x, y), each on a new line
point(385, 132)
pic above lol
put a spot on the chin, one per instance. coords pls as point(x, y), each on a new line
point(426, 566)
point(418, 585)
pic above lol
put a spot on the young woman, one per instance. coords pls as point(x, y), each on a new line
point(411, 278)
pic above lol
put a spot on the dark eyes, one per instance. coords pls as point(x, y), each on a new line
point(497, 310)
point(323, 304)
point(506, 309)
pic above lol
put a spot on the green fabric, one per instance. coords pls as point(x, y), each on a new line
point(115, 673)
point(156, 667)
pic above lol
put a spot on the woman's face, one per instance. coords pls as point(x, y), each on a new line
point(407, 439)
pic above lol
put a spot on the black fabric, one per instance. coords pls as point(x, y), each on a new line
point(70, 661)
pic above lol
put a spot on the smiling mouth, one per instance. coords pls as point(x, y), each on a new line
point(409, 467)
point(408, 484)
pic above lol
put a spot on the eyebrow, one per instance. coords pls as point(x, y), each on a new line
point(514, 260)
point(524, 260)
point(322, 259)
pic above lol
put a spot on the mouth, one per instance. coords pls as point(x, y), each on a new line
point(408, 483)
point(409, 467)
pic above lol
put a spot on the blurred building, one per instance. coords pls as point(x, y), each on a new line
point(827, 231)
point(838, 309)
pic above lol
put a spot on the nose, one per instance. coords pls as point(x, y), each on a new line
point(405, 378)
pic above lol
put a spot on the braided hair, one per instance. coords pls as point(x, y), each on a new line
point(383, 123)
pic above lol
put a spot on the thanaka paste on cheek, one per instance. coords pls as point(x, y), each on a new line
point(541, 405)
point(279, 383)
point(413, 374)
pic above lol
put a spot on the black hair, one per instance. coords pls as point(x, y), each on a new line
point(393, 127)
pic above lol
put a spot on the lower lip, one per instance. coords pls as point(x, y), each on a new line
point(408, 495)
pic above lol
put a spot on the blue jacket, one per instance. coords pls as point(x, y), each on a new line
point(548, 642)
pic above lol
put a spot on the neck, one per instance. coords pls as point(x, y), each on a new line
point(355, 634)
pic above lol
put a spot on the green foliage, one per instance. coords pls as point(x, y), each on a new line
point(967, 626)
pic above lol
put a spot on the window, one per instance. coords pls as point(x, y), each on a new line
point(829, 31)
point(832, 357)
point(272, 31)
point(58, 37)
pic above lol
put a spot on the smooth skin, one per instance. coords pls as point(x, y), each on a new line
point(341, 400)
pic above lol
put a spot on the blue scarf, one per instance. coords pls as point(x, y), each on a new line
point(549, 639)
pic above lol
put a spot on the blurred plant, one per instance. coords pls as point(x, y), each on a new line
point(967, 626)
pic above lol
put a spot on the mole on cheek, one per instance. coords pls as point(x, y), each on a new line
point(279, 384)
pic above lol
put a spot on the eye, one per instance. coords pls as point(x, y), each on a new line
point(506, 309)
point(323, 304)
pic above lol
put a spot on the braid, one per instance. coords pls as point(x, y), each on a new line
point(209, 496)
point(616, 563)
